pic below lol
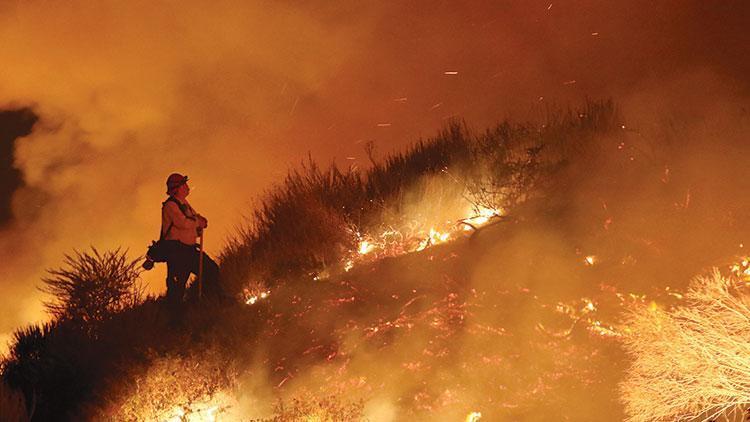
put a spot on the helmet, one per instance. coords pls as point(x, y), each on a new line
point(174, 181)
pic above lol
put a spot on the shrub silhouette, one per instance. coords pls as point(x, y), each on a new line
point(52, 365)
point(56, 364)
point(92, 286)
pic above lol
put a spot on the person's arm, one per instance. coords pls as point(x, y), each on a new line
point(202, 221)
point(178, 219)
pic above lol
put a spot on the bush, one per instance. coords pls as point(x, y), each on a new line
point(56, 364)
point(93, 286)
point(190, 386)
point(51, 365)
point(691, 362)
point(307, 407)
point(314, 218)
point(300, 226)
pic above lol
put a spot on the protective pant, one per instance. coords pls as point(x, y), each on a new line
point(181, 262)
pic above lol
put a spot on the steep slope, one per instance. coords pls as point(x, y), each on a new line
point(473, 274)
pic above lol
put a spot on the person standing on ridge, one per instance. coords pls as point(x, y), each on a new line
point(180, 226)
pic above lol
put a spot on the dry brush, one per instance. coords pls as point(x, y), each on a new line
point(691, 362)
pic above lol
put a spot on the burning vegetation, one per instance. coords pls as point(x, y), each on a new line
point(475, 276)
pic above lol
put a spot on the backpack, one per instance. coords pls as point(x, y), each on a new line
point(158, 251)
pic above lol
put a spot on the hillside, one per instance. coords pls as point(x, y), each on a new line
point(475, 275)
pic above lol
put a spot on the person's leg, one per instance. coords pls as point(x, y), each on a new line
point(178, 271)
point(176, 280)
point(211, 284)
point(192, 290)
point(212, 287)
point(173, 293)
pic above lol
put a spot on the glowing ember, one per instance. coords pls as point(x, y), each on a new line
point(590, 306)
point(365, 247)
point(590, 260)
point(348, 265)
point(322, 275)
point(253, 298)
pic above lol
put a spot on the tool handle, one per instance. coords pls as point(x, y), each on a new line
point(200, 270)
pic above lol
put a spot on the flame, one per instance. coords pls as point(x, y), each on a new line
point(251, 298)
point(365, 247)
point(435, 237)
point(182, 414)
point(653, 306)
point(478, 216)
point(590, 306)
point(741, 269)
point(591, 260)
point(473, 417)
point(348, 265)
point(411, 237)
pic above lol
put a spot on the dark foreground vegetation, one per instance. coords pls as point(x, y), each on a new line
point(91, 361)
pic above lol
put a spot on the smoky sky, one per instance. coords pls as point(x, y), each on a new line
point(235, 93)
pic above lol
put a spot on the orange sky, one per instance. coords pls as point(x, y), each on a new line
point(236, 92)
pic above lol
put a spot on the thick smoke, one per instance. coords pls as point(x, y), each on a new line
point(232, 94)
